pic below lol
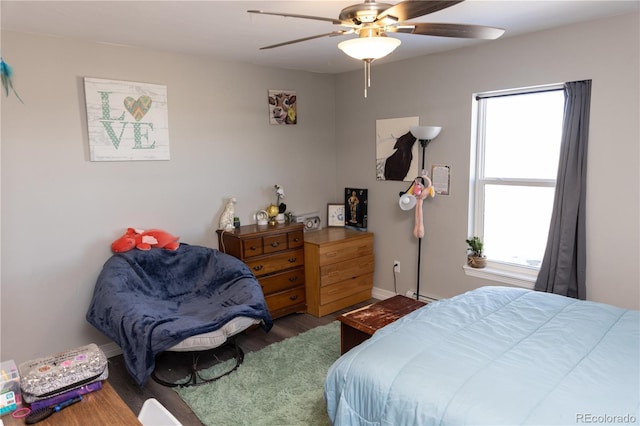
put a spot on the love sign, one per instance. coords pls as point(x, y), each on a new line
point(127, 121)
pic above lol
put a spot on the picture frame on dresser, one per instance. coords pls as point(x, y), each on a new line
point(335, 215)
point(355, 208)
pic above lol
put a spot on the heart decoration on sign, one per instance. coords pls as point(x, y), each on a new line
point(138, 108)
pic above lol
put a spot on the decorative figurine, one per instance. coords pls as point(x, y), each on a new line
point(276, 211)
point(226, 220)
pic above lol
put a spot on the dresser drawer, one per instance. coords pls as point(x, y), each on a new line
point(282, 281)
point(276, 262)
point(295, 239)
point(252, 247)
point(350, 249)
point(343, 289)
point(274, 243)
point(340, 271)
point(285, 299)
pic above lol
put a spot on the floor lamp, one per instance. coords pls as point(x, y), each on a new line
point(424, 134)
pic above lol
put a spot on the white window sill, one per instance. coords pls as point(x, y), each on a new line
point(491, 273)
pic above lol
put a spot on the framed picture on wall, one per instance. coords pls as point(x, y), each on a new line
point(441, 179)
point(396, 149)
point(127, 121)
point(335, 215)
point(283, 107)
point(355, 207)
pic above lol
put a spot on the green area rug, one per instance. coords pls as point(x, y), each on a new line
point(281, 384)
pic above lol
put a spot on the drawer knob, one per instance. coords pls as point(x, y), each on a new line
point(331, 254)
point(292, 279)
point(254, 248)
point(294, 297)
point(295, 240)
point(275, 244)
point(258, 268)
point(293, 259)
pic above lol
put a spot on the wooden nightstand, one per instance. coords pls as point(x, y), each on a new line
point(358, 325)
point(339, 266)
point(275, 255)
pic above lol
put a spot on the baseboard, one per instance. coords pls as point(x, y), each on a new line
point(412, 294)
point(111, 349)
point(381, 294)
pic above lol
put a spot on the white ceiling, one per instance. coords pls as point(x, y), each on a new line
point(224, 28)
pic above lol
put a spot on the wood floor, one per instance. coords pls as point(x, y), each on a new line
point(134, 395)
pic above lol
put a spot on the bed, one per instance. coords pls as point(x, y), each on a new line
point(493, 356)
point(190, 299)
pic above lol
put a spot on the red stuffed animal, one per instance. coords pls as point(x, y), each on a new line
point(144, 240)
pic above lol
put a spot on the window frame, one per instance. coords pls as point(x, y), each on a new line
point(503, 272)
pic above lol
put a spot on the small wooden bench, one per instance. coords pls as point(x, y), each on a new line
point(360, 324)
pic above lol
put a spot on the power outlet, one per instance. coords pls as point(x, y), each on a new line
point(396, 266)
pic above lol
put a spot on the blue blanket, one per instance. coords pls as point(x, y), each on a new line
point(148, 301)
point(494, 356)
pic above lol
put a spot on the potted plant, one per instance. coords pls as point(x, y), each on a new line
point(475, 258)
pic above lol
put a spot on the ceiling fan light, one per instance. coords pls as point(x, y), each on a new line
point(369, 48)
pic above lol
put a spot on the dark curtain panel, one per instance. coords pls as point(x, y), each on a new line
point(564, 262)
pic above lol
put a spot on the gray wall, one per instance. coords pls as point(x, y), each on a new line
point(60, 211)
point(438, 88)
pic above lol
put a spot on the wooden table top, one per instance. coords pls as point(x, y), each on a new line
point(373, 317)
point(333, 235)
point(102, 407)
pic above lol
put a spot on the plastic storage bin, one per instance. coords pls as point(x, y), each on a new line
point(154, 414)
point(10, 396)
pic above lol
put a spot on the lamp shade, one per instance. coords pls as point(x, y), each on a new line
point(425, 132)
point(370, 48)
point(407, 201)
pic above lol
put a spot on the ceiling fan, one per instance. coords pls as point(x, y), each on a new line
point(371, 21)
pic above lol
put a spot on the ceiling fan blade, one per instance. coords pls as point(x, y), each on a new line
point(293, 15)
point(412, 9)
point(447, 30)
point(331, 34)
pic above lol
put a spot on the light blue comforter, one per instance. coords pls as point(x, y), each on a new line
point(494, 356)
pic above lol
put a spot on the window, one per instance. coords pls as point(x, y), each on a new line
point(514, 171)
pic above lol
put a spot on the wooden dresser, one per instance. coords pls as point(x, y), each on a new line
point(275, 255)
point(339, 266)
